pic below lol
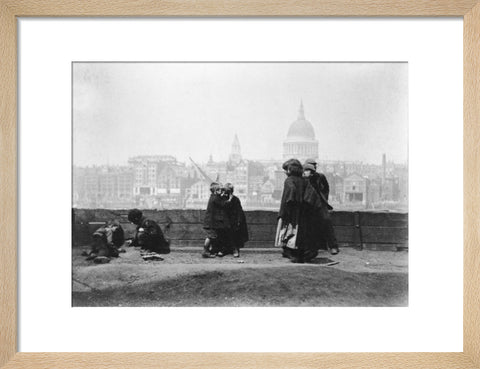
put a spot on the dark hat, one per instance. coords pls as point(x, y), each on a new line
point(293, 167)
point(311, 161)
point(289, 162)
point(309, 167)
point(134, 215)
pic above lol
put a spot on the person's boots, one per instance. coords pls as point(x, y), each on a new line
point(287, 253)
point(310, 255)
point(297, 257)
point(334, 250)
point(101, 260)
point(206, 253)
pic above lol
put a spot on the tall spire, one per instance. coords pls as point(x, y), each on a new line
point(301, 113)
point(236, 145)
point(235, 154)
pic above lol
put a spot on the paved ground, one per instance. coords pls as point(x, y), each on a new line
point(257, 278)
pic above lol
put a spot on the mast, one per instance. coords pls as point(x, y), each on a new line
point(201, 172)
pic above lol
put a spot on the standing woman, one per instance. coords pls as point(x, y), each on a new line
point(291, 230)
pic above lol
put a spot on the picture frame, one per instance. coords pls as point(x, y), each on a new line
point(10, 10)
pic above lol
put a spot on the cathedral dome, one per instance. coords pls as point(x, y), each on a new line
point(301, 128)
point(300, 142)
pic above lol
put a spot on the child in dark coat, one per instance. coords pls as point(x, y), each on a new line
point(238, 222)
point(216, 222)
point(148, 234)
point(106, 242)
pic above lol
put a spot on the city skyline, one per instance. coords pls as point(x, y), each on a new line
point(165, 182)
point(359, 111)
point(188, 161)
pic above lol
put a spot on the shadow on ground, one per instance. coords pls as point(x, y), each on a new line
point(359, 279)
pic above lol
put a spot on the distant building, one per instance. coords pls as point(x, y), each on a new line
point(402, 173)
point(197, 195)
point(125, 184)
point(159, 181)
point(102, 187)
point(355, 189)
point(300, 142)
point(335, 183)
point(266, 192)
point(256, 178)
point(390, 189)
point(162, 182)
point(235, 171)
point(374, 193)
point(255, 182)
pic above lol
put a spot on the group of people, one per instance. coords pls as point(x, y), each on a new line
point(224, 223)
point(108, 240)
point(304, 222)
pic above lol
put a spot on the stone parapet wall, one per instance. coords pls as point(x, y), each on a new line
point(363, 230)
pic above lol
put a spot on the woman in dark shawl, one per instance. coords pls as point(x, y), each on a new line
point(291, 230)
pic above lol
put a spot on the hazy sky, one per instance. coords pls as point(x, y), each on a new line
point(358, 110)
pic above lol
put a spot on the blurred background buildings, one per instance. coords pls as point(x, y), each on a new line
point(163, 182)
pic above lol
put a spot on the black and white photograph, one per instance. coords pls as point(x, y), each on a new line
point(240, 184)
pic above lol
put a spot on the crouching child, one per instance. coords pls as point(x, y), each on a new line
point(148, 235)
point(106, 243)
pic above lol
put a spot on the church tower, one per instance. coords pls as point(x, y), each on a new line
point(235, 154)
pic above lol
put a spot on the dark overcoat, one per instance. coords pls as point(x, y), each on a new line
point(216, 216)
point(238, 223)
point(317, 210)
point(292, 208)
point(149, 236)
point(107, 240)
point(320, 184)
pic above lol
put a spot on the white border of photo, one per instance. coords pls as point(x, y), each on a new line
point(432, 321)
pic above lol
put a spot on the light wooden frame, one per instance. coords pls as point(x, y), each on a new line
point(11, 9)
